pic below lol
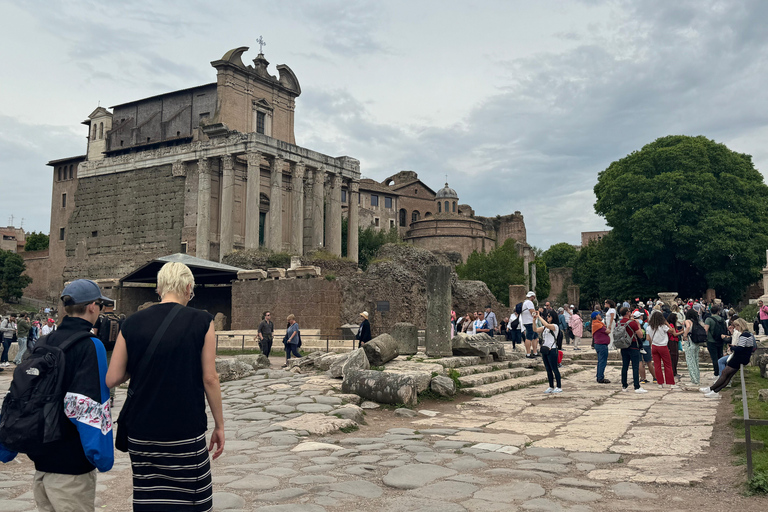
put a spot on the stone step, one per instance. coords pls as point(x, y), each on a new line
point(456, 361)
point(503, 386)
point(494, 376)
point(483, 368)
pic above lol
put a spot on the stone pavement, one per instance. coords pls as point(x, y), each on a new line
point(588, 448)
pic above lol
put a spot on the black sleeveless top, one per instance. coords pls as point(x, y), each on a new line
point(171, 405)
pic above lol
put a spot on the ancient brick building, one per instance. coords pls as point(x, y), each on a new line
point(202, 171)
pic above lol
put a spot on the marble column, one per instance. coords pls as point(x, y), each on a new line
point(203, 241)
point(297, 210)
point(318, 196)
point(353, 220)
point(226, 239)
point(252, 199)
point(333, 222)
point(437, 337)
point(276, 205)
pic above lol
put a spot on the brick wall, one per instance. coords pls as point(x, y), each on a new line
point(38, 265)
point(122, 221)
point(316, 303)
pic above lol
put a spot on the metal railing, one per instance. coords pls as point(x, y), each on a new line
point(314, 341)
point(747, 424)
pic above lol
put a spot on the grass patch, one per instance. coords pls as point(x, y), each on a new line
point(454, 376)
point(378, 368)
point(428, 394)
point(757, 410)
point(349, 429)
point(330, 277)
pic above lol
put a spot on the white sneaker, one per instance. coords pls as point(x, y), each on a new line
point(661, 386)
point(674, 387)
point(705, 390)
point(557, 390)
point(640, 390)
point(625, 390)
point(548, 390)
point(712, 394)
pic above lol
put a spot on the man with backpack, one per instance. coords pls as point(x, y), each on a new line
point(715, 334)
point(70, 439)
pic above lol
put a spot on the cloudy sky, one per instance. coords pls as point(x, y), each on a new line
point(520, 103)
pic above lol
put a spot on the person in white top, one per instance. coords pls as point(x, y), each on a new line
point(513, 328)
point(526, 318)
point(657, 335)
point(48, 327)
point(480, 325)
point(548, 330)
point(610, 320)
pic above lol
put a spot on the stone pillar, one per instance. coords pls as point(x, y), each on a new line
point(252, 200)
point(226, 240)
point(353, 221)
point(533, 277)
point(517, 294)
point(573, 295)
point(710, 295)
point(438, 332)
point(297, 209)
point(333, 222)
point(318, 197)
point(203, 242)
point(407, 337)
point(276, 205)
point(526, 267)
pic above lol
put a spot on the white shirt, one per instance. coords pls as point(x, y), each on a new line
point(526, 317)
point(512, 318)
point(477, 324)
point(659, 336)
point(47, 330)
point(550, 338)
point(610, 319)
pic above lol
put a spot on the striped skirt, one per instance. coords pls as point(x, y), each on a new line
point(171, 475)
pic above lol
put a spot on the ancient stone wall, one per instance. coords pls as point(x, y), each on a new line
point(38, 265)
point(123, 220)
point(559, 279)
point(316, 303)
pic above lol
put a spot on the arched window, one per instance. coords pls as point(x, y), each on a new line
point(454, 207)
point(101, 130)
point(71, 171)
point(439, 207)
point(428, 214)
point(415, 215)
point(93, 131)
point(447, 210)
point(403, 216)
point(59, 173)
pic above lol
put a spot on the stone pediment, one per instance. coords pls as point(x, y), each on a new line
point(100, 112)
point(263, 103)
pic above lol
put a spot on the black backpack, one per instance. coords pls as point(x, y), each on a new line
point(698, 333)
point(34, 406)
point(720, 329)
point(519, 308)
point(108, 331)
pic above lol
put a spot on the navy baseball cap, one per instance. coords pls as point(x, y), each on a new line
point(595, 314)
point(83, 291)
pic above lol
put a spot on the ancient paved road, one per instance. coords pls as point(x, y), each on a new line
point(590, 448)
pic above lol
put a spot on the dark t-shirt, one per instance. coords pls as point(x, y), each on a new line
point(266, 329)
point(171, 404)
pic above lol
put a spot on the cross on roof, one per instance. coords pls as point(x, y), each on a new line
point(261, 43)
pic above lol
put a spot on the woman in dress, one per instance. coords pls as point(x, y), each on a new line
point(167, 420)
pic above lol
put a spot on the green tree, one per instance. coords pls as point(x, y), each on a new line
point(12, 282)
point(370, 241)
point(497, 269)
point(36, 242)
point(559, 255)
point(687, 214)
point(543, 285)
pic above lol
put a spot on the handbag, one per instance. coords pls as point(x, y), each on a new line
point(121, 435)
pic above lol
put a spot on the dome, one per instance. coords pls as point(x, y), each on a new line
point(446, 193)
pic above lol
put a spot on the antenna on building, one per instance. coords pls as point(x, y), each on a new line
point(22, 223)
point(10, 220)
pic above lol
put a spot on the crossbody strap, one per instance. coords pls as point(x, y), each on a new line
point(145, 360)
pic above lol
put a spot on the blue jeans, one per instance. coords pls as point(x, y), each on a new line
point(602, 360)
point(550, 364)
point(721, 363)
point(6, 345)
point(291, 348)
point(22, 349)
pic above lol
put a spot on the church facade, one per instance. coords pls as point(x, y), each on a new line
point(202, 171)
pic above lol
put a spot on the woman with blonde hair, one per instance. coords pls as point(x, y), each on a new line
point(169, 353)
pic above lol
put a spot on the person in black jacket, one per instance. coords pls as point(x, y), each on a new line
point(364, 332)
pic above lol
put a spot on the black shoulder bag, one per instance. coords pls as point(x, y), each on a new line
point(121, 435)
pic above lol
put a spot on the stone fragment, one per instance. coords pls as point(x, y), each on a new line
point(428, 413)
point(257, 361)
point(324, 362)
point(319, 424)
point(481, 345)
point(510, 492)
point(762, 362)
point(381, 387)
point(359, 488)
point(631, 490)
point(762, 395)
point(232, 369)
point(369, 405)
point(407, 337)
point(575, 482)
point(350, 412)
point(357, 360)
point(574, 494)
point(314, 408)
point(381, 350)
point(594, 458)
point(443, 386)
point(445, 491)
point(349, 399)
point(227, 501)
point(334, 370)
point(310, 446)
point(406, 413)
point(413, 476)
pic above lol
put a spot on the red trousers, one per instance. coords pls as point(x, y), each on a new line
point(661, 354)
